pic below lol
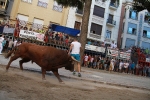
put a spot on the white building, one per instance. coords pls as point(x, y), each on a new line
point(136, 28)
point(103, 22)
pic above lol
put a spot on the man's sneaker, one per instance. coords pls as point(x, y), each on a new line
point(74, 72)
point(79, 75)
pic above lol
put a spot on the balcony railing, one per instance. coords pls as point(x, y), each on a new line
point(111, 22)
point(79, 12)
point(113, 5)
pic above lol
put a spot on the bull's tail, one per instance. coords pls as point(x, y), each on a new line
point(10, 52)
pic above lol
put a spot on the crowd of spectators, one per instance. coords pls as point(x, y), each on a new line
point(116, 65)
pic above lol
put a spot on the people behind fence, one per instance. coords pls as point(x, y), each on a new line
point(115, 65)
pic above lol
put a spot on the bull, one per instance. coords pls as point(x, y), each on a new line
point(48, 58)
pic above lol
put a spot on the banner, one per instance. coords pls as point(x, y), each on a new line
point(125, 55)
point(8, 30)
point(31, 35)
point(113, 53)
point(94, 48)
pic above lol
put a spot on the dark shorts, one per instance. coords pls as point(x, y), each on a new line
point(9, 48)
point(76, 56)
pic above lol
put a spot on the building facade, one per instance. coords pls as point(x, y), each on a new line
point(103, 22)
point(38, 12)
point(134, 29)
point(4, 12)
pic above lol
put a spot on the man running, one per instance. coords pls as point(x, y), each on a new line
point(75, 52)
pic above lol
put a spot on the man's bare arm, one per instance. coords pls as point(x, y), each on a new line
point(70, 48)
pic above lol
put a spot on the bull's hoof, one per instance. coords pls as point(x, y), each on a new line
point(43, 79)
point(6, 70)
point(62, 82)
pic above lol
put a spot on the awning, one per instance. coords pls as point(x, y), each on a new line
point(66, 30)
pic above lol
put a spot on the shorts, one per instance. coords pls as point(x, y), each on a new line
point(76, 56)
point(9, 48)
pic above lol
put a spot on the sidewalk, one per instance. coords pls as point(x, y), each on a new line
point(88, 74)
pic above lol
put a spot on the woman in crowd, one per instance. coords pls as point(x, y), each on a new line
point(85, 60)
point(126, 65)
point(121, 64)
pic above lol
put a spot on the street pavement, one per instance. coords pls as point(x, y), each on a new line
point(88, 74)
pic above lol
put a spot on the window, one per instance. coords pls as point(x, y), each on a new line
point(133, 14)
point(77, 25)
point(110, 19)
point(22, 19)
point(114, 3)
point(147, 18)
point(28, 1)
point(57, 7)
point(123, 27)
point(132, 28)
point(108, 34)
point(129, 43)
point(99, 11)
point(37, 24)
point(2, 4)
point(96, 29)
point(146, 32)
point(43, 3)
point(145, 45)
point(79, 11)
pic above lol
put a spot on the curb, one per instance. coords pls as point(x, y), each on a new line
point(107, 83)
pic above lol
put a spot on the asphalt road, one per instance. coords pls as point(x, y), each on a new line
point(88, 74)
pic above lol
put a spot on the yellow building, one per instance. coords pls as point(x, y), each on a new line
point(39, 12)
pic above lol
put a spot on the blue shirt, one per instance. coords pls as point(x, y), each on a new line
point(133, 65)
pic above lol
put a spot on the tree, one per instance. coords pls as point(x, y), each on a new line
point(140, 5)
point(86, 6)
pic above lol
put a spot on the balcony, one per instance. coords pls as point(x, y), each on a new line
point(92, 35)
point(97, 20)
point(113, 6)
point(100, 3)
point(111, 22)
point(79, 12)
point(3, 8)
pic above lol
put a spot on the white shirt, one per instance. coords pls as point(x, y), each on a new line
point(126, 65)
point(86, 58)
point(115, 46)
point(15, 43)
point(112, 62)
point(112, 45)
point(1, 39)
point(92, 59)
point(120, 65)
point(76, 47)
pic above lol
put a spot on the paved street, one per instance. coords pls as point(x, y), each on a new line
point(93, 75)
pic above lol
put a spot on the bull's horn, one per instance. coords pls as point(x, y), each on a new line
point(74, 59)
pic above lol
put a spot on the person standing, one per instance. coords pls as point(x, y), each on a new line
point(10, 45)
point(121, 64)
point(75, 52)
point(133, 68)
point(1, 45)
point(126, 65)
point(85, 60)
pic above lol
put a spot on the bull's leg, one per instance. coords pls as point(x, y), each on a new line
point(57, 75)
point(23, 61)
point(11, 60)
point(43, 73)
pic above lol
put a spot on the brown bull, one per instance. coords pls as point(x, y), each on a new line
point(48, 58)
